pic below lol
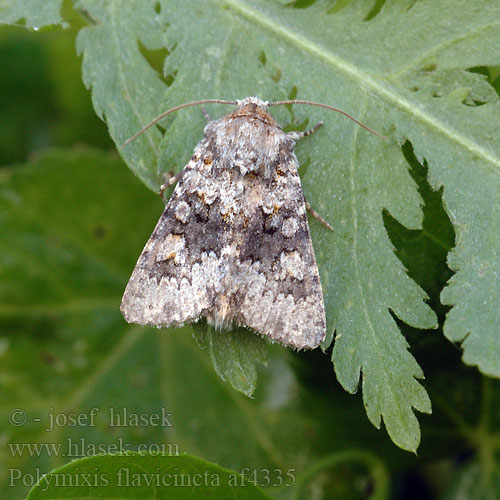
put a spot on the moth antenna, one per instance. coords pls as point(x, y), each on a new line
point(165, 113)
point(331, 108)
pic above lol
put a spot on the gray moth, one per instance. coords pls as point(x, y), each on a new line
point(233, 243)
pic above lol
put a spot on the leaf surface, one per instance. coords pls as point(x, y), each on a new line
point(145, 477)
point(32, 13)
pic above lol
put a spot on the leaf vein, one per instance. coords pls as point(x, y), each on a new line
point(356, 74)
point(433, 50)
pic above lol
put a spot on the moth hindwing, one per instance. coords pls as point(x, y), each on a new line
point(233, 243)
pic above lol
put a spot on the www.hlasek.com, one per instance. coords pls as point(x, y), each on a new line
point(127, 477)
point(79, 448)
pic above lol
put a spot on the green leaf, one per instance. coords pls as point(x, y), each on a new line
point(424, 251)
point(129, 91)
point(476, 483)
point(234, 354)
point(135, 476)
point(33, 13)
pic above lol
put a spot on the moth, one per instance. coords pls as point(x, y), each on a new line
point(233, 243)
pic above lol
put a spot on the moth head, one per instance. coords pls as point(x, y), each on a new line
point(252, 101)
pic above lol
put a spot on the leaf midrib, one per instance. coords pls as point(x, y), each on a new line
point(354, 73)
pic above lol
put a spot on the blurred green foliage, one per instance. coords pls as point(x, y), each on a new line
point(43, 100)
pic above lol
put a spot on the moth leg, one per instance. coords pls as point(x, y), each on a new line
point(169, 183)
point(205, 113)
point(299, 135)
point(317, 216)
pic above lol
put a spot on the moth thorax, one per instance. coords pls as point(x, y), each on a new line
point(252, 146)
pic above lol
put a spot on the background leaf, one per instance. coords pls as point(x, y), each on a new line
point(43, 98)
point(146, 477)
point(32, 13)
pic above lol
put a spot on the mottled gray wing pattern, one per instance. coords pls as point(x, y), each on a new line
point(177, 275)
point(233, 243)
point(279, 293)
point(237, 251)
